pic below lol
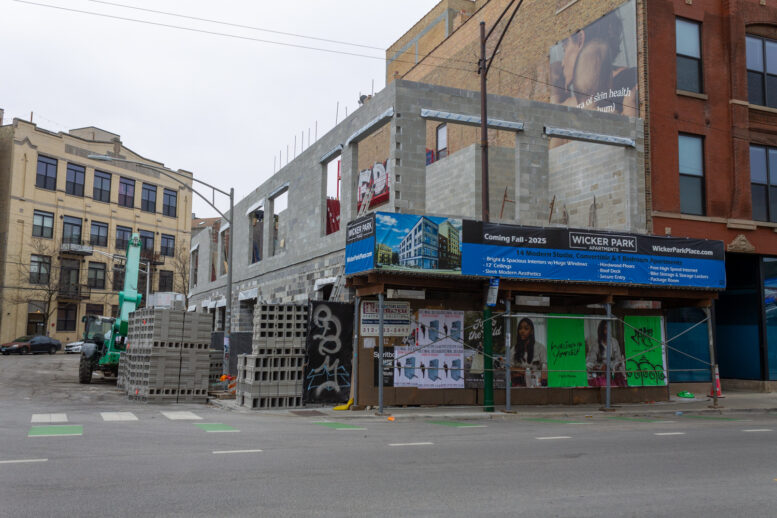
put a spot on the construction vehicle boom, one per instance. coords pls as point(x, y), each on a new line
point(105, 337)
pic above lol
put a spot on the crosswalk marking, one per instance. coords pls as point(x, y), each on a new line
point(22, 461)
point(553, 438)
point(49, 418)
point(118, 416)
point(669, 433)
point(759, 430)
point(216, 427)
point(412, 444)
point(182, 416)
point(56, 431)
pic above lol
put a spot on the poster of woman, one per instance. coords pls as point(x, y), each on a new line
point(529, 358)
point(596, 353)
point(596, 67)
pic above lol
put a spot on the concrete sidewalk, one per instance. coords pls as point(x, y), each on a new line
point(732, 403)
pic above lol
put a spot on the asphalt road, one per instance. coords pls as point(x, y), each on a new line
point(65, 451)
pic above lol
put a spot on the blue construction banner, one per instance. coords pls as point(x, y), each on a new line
point(410, 242)
point(561, 254)
point(360, 245)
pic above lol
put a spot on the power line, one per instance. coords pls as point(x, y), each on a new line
point(229, 24)
point(248, 38)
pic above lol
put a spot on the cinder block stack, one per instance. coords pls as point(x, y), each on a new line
point(168, 356)
point(216, 365)
point(271, 377)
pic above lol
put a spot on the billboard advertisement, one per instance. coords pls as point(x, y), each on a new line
point(561, 254)
point(595, 68)
point(413, 243)
point(410, 242)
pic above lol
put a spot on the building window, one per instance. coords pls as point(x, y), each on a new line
point(256, 229)
point(691, 159)
point(102, 186)
point(688, 40)
point(442, 141)
point(118, 279)
point(148, 198)
point(167, 245)
point(146, 240)
point(99, 234)
point(96, 276)
point(127, 192)
point(762, 71)
point(42, 224)
point(71, 230)
point(165, 280)
point(47, 173)
point(224, 264)
point(75, 180)
point(123, 235)
point(40, 268)
point(763, 175)
point(195, 265)
point(66, 316)
point(115, 310)
point(170, 203)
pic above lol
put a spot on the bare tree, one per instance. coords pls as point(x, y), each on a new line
point(180, 266)
point(38, 279)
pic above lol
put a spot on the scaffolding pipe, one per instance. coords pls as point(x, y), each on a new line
point(380, 353)
point(508, 355)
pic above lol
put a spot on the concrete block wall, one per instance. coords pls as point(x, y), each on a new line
point(453, 184)
point(309, 254)
point(578, 171)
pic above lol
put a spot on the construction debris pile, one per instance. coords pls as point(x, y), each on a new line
point(271, 377)
point(168, 359)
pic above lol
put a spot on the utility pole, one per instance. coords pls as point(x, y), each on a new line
point(484, 64)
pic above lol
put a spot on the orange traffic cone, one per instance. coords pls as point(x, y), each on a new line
point(715, 387)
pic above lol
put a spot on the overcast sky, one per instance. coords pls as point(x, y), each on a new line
point(218, 106)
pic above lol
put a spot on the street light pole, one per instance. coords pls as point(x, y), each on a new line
point(231, 195)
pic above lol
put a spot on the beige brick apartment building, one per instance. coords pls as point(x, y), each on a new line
point(62, 218)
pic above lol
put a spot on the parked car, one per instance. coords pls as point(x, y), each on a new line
point(31, 344)
point(74, 347)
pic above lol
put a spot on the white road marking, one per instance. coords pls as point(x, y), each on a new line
point(412, 444)
point(49, 418)
point(236, 451)
point(182, 416)
point(759, 430)
point(118, 416)
point(22, 461)
point(669, 433)
point(553, 438)
point(356, 429)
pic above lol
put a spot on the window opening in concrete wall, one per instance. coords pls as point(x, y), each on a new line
point(224, 256)
point(333, 176)
point(256, 231)
point(195, 265)
point(214, 236)
point(280, 223)
point(375, 178)
point(442, 142)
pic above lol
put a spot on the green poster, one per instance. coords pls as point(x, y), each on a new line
point(644, 351)
point(566, 353)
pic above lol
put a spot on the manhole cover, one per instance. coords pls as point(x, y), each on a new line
point(307, 412)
